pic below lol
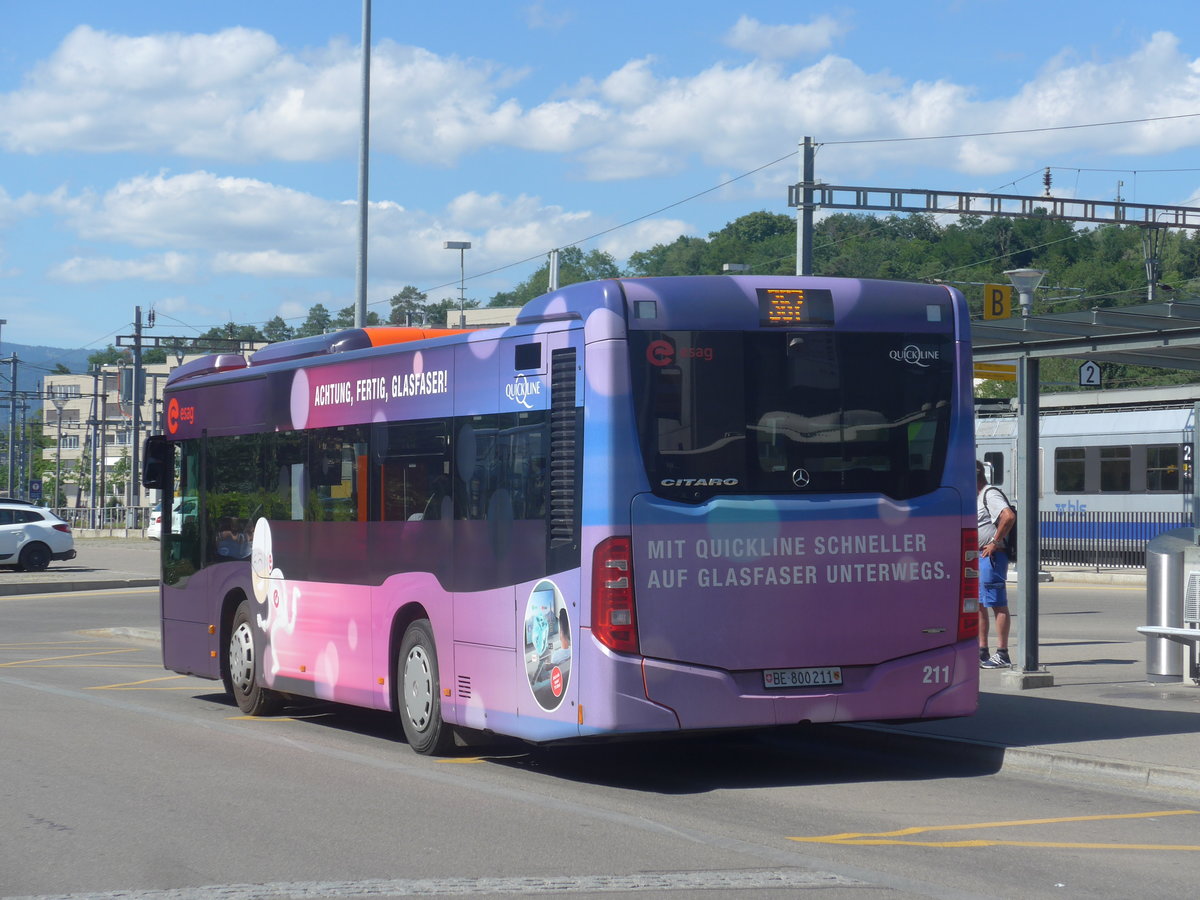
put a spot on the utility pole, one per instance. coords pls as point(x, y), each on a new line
point(94, 498)
point(138, 391)
point(12, 425)
point(804, 211)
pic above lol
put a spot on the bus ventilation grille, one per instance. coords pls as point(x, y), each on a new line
point(564, 432)
point(1191, 600)
point(464, 687)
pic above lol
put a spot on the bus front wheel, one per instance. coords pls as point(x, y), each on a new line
point(419, 692)
point(244, 650)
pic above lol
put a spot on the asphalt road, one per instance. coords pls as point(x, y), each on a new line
point(121, 777)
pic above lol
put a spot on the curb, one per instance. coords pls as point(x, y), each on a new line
point(1037, 762)
point(51, 587)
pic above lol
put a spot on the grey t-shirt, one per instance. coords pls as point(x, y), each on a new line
point(989, 506)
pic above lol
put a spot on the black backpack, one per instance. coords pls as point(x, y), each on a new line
point(1010, 539)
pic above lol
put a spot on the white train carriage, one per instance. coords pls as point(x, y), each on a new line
point(1115, 468)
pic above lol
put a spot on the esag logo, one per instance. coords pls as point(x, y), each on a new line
point(177, 414)
point(660, 353)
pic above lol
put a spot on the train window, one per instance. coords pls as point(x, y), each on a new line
point(996, 461)
point(1068, 470)
point(1115, 469)
point(1162, 468)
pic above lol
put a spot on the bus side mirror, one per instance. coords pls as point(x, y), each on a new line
point(157, 462)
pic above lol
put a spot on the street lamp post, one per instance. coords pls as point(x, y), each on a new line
point(462, 247)
point(1029, 673)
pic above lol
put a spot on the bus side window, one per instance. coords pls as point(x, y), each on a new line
point(414, 483)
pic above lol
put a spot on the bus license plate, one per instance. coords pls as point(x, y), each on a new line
point(825, 676)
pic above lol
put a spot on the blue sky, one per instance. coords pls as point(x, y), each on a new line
point(201, 159)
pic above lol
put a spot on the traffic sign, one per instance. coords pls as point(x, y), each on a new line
point(35, 488)
point(1089, 374)
point(997, 301)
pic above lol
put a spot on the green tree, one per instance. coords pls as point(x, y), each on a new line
point(230, 331)
point(110, 356)
point(318, 322)
point(345, 318)
point(445, 312)
point(277, 330)
point(574, 266)
point(409, 307)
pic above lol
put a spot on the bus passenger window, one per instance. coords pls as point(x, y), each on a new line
point(415, 482)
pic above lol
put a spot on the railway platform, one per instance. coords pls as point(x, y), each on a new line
point(1100, 723)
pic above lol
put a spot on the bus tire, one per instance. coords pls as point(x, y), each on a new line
point(248, 692)
point(418, 691)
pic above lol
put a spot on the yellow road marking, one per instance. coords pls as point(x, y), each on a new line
point(18, 663)
point(880, 838)
point(466, 760)
point(114, 665)
point(138, 685)
point(41, 644)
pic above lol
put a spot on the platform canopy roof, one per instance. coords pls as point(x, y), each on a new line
point(1166, 335)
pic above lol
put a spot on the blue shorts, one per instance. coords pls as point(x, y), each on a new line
point(993, 572)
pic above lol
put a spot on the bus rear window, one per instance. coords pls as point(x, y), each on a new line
point(777, 412)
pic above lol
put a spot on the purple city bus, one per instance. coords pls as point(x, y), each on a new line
point(650, 505)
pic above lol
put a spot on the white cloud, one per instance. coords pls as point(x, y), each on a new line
point(200, 210)
point(642, 236)
point(269, 263)
point(164, 267)
point(783, 41)
point(236, 94)
point(538, 16)
point(210, 225)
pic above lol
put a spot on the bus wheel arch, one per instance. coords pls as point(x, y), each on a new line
point(229, 608)
point(244, 648)
point(416, 684)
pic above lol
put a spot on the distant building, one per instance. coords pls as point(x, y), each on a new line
point(483, 317)
point(98, 413)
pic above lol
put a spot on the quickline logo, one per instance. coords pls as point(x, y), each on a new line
point(915, 355)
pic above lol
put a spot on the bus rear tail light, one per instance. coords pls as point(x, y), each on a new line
point(614, 614)
point(968, 613)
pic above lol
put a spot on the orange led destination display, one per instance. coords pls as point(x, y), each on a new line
point(786, 307)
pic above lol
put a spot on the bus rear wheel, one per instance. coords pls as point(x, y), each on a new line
point(418, 691)
point(244, 650)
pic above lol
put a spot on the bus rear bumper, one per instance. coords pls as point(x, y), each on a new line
point(936, 684)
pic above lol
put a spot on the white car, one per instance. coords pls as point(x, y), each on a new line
point(154, 528)
point(31, 537)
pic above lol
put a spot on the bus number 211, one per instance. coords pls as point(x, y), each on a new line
point(936, 675)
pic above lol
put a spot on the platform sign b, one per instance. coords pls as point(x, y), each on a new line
point(997, 301)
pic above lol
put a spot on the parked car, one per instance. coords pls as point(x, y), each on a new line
point(154, 528)
point(32, 537)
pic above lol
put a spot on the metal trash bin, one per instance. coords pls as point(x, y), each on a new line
point(1169, 559)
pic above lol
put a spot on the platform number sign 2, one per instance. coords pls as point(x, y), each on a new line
point(1089, 374)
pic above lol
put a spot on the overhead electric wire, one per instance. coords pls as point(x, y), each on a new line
point(794, 153)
